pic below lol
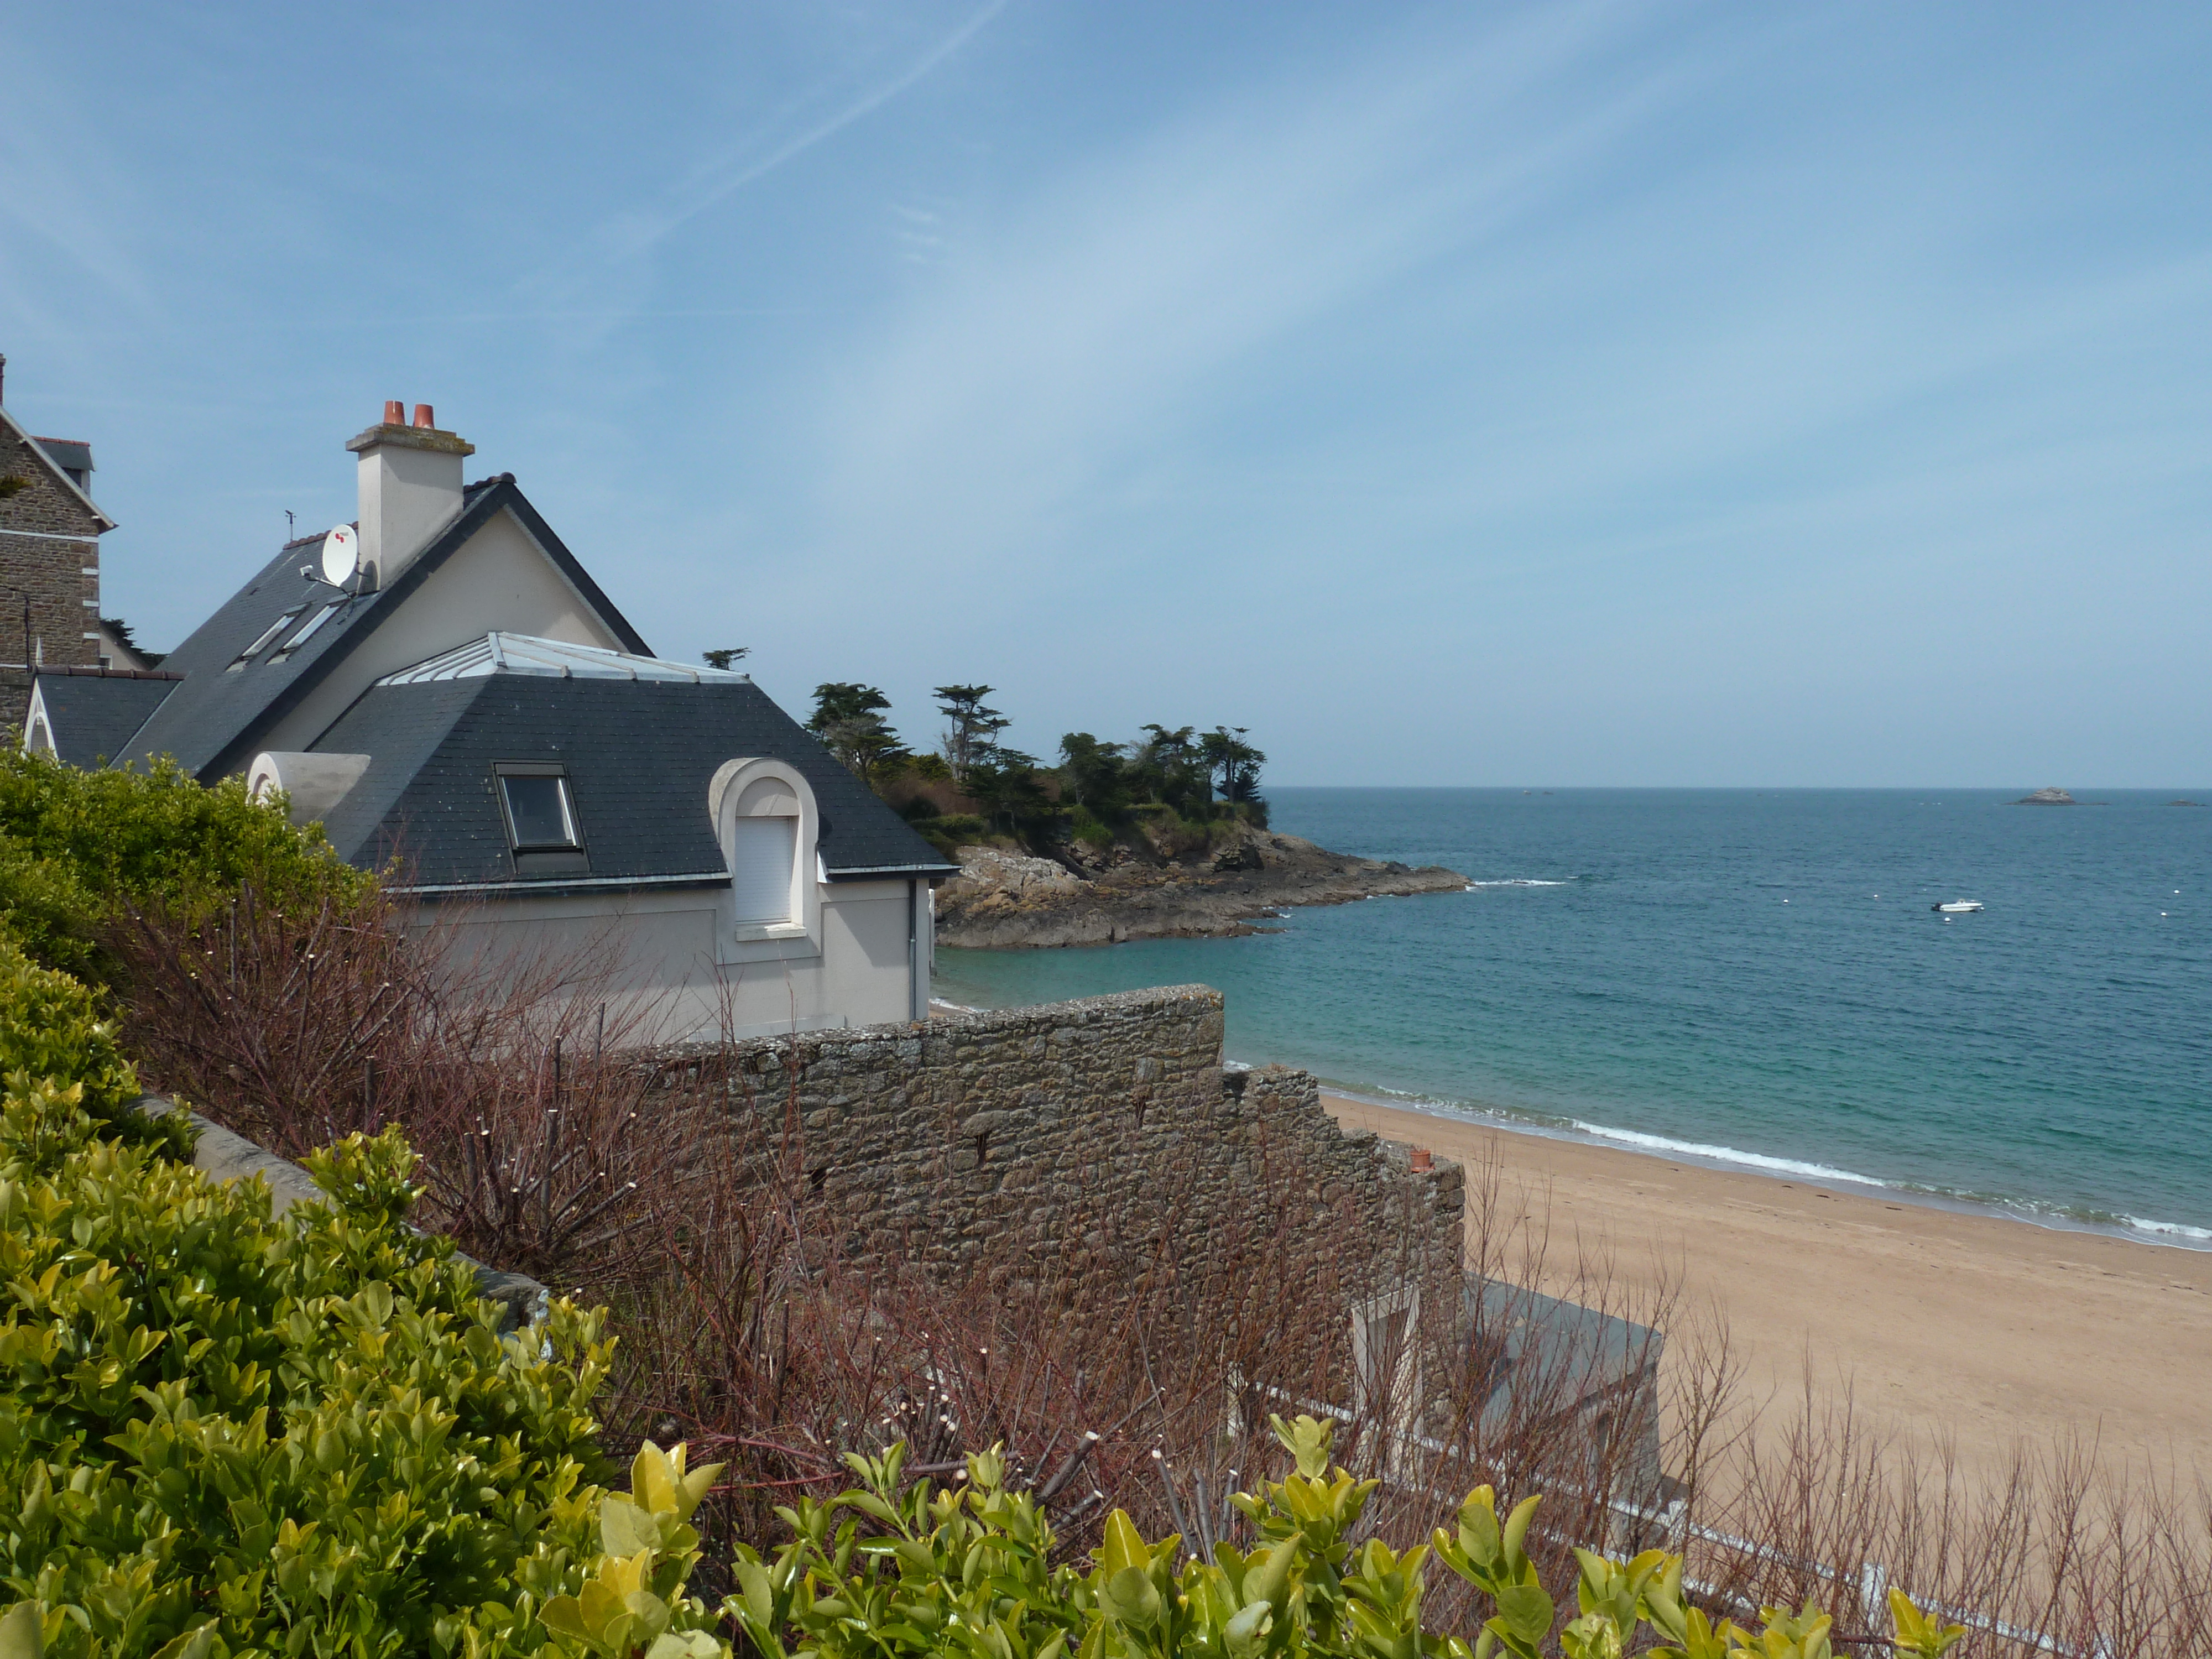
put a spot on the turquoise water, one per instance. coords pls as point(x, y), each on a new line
point(1755, 979)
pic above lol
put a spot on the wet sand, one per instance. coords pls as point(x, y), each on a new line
point(1984, 1326)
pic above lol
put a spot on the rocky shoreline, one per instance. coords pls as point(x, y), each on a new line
point(1005, 900)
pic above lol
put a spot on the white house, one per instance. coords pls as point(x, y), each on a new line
point(470, 702)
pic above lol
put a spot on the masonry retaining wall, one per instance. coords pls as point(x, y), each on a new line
point(1049, 1135)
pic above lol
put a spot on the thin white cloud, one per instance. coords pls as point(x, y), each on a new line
point(624, 237)
point(1125, 304)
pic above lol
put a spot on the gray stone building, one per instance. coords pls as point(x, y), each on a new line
point(50, 531)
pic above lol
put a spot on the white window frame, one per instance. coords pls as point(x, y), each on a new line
point(508, 772)
point(267, 636)
point(762, 787)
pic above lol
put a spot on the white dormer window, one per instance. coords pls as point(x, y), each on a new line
point(762, 852)
point(764, 815)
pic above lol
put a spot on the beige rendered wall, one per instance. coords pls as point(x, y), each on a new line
point(651, 956)
point(498, 580)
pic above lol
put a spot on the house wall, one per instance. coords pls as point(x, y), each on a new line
point(1041, 1133)
point(61, 576)
point(498, 580)
point(651, 956)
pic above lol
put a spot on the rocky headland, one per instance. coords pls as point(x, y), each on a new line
point(1003, 899)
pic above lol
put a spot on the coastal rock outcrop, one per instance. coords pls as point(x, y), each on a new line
point(2047, 798)
point(1003, 900)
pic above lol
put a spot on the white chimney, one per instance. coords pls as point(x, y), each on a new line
point(410, 488)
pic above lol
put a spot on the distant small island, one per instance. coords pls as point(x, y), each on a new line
point(2046, 797)
point(2185, 802)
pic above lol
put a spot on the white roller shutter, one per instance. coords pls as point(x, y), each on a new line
point(760, 868)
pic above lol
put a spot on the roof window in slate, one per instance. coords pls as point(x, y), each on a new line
point(314, 623)
point(540, 816)
point(262, 639)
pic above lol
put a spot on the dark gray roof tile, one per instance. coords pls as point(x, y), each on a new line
point(215, 721)
point(94, 715)
point(639, 756)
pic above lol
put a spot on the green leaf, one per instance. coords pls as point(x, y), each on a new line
point(193, 1644)
point(625, 1528)
point(1517, 1530)
point(1123, 1546)
point(1527, 1611)
point(1128, 1596)
point(690, 1645)
point(564, 1615)
point(22, 1634)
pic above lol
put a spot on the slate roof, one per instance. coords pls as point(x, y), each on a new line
point(92, 716)
point(638, 755)
point(70, 455)
point(214, 723)
point(39, 446)
point(1580, 1352)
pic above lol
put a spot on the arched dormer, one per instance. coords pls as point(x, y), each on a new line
point(766, 824)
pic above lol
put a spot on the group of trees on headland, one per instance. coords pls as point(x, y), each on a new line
point(974, 782)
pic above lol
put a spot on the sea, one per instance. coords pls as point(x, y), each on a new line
point(1752, 978)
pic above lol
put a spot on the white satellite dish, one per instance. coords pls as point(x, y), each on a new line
point(341, 555)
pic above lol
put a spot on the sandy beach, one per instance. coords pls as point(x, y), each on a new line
point(1990, 1327)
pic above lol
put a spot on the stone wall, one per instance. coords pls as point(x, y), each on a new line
point(1041, 1137)
point(50, 551)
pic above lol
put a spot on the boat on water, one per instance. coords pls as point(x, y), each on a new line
point(1957, 906)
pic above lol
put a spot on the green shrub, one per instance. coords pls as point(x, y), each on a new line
point(223, 1432)
point(50, 1032)
point(1084, 825)
point(887, 1569)
point(77, 849)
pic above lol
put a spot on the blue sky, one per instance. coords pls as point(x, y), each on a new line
point(1575, 394)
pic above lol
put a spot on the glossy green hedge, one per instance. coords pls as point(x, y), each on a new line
point(891, 1568)
point(78, 848)
point(223, 1433)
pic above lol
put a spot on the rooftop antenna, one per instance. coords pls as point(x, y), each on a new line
point(340, 562)
point(289, 526)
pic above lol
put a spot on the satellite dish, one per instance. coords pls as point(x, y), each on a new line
point(341, 555)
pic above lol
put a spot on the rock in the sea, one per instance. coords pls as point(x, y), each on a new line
point(2046, 797)
point(1004, 900)
point(989, 871)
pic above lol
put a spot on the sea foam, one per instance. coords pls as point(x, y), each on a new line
point(1650, 1143)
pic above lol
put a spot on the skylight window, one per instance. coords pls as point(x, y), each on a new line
point(540, 816)
point(261, 642)
point(307, 633)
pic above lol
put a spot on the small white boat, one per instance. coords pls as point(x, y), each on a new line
point(1958, 907)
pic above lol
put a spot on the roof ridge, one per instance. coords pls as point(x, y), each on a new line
point(95, 671)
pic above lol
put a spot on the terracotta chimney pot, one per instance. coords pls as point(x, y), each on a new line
point(395, 412)
point(423, 417)
point(1424, 1160)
